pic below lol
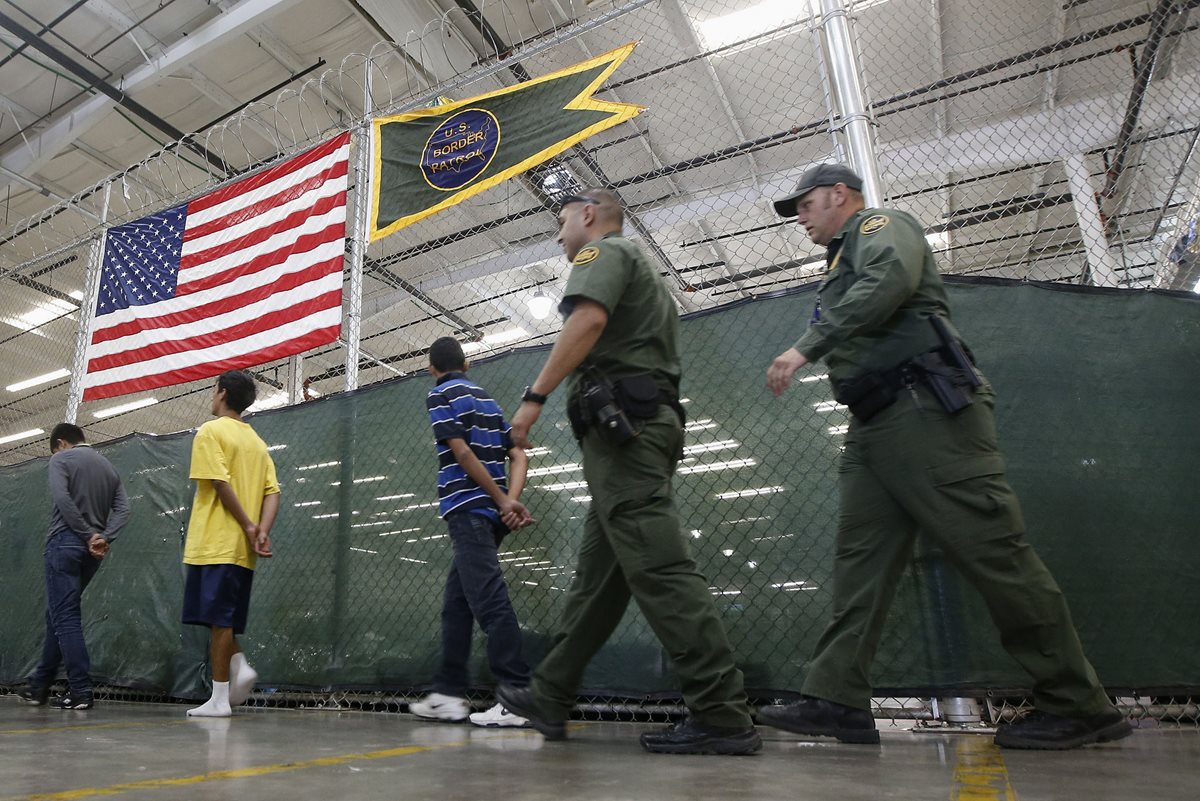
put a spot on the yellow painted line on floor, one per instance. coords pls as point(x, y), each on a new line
point(221, 775)
point(133, 724)
point(980, 773)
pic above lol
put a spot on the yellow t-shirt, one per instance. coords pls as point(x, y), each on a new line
point(227, 450)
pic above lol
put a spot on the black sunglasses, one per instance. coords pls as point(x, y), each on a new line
point(565, 199)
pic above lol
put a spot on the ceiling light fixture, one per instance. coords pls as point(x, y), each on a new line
point(540, 305)
point(124, 407)
point(36, 380)
point(33, 432)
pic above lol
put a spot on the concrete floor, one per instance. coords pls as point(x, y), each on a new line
point(151, 752)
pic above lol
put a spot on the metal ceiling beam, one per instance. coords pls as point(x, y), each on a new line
point(26, 160)
point(93, 81)
point(45, 28)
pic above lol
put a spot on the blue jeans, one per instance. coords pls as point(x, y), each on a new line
point(475, 591)
point(69, 569)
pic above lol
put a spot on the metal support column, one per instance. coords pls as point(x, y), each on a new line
point(87, 313)
point(848, 91)
point(1102, 266)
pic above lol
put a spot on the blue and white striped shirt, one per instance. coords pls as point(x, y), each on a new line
point(459, 409)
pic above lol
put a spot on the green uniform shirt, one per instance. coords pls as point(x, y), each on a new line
point(873, 307)
point(642, 334)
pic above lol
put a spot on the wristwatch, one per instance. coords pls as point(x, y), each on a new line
point(533, 397)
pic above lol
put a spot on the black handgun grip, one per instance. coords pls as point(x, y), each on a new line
point(955, 355)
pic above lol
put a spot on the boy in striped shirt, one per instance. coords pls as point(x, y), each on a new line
point(480, 506)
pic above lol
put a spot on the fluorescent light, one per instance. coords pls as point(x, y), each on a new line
point(124, 407)
point(699, 425)
point(307, 503)
point(33, 432)
point(708, 447)
point(41, 313)
point(735, 26)
point(498, 338)
point(809, 379)
point(276, 447)
point(538, 451)
point(827, 406)
point(318, 464)
point(395, 497)
point(41, 379)
point(748, 493)
point(838, 430)
point(558, 468)
point(565, 485)
point(362, 550)
point(399, 531)
point(732, 464)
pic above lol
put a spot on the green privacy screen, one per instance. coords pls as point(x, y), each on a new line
point(1097, 417)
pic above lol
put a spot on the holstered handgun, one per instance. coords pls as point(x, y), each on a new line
point(948, 371)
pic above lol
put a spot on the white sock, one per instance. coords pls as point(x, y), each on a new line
point(241, 679)
point(215, 707)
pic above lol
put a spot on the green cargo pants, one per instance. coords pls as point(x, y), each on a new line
point(914, 468)
point(632, 544)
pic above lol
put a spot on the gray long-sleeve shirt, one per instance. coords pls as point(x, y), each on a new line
point(87, 494)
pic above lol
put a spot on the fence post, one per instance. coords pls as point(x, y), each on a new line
point(87, 313)
point(359, 235)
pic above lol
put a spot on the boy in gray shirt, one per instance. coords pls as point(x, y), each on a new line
point(89, 509)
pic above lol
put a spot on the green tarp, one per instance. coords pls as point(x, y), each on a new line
point(1097, 418)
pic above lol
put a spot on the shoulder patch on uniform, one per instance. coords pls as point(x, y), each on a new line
point(586, 255)
point(876, 222)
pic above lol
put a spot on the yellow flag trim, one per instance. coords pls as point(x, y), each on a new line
point(583, 101)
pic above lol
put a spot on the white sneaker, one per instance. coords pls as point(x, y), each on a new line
point(436, 706)
point(497, 717)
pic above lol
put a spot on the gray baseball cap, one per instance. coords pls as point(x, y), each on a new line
point(820, 175)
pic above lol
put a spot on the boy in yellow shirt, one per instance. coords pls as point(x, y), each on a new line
point(237, 498)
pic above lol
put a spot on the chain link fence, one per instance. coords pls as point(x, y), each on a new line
point(1017, 162)
point(348, 610)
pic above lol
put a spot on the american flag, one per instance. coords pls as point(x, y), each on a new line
point(245, 275)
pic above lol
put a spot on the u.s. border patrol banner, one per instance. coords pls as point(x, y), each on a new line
point(428, 160)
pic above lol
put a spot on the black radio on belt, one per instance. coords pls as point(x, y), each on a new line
point(600, 401)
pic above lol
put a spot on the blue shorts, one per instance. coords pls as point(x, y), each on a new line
point(217, 595)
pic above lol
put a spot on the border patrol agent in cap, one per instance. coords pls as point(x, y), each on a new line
point(920, 456)
point(620, 348)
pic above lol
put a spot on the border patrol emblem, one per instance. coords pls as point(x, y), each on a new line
point(460, 149)
point(876, 222)
point(586, 256)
